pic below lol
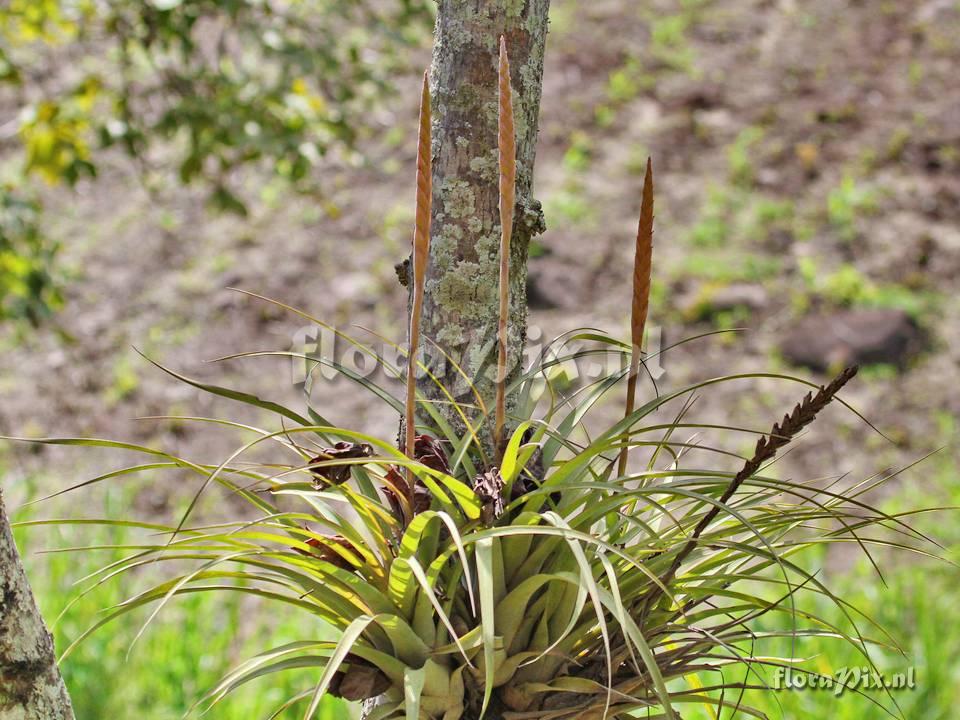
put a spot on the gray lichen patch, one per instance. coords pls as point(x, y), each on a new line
point(486, 166)
point(491, 112)
point(458, 199)
point(522, 122)
point(466, 292)
point(445, 247)
point(451, 335)
point(475, 225)
point(488, 249)
point(529, 77)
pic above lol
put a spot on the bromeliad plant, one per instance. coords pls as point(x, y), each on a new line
point(535, 571)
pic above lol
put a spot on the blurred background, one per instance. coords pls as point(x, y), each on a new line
point(155, 154)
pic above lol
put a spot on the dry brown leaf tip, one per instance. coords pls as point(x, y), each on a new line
point(358, 680)
point(325, 549)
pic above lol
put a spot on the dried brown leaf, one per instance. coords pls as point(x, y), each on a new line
point(335, 474)
point(325, 550)
point(360, 681)
point(489, 489)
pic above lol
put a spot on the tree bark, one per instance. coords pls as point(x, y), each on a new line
point(461, 299)
point(31, 687)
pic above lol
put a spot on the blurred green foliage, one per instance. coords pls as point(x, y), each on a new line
point(27, 289)
point(916, 608)
point(195, 90)
point(220, 83)
point(846, 286)
point(846, 203)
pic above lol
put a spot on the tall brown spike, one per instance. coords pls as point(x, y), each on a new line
point(421, 251)
point(642, 270)
point(508, 183)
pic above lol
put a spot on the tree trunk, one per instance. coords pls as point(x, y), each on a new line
point(461, 299)
point(30, 684)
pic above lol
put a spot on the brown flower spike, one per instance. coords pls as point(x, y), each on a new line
point(642, 270)
point(508, 185)
point(421, 251)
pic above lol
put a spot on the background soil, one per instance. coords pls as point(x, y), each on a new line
point(808, 160)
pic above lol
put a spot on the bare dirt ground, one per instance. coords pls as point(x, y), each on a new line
point(807, 155)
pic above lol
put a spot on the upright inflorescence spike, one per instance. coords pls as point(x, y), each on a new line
point(804, 413)
point(508, 183)
point(642, 269)
point(421, 252)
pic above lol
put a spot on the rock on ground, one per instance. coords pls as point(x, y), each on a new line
point(853, 336)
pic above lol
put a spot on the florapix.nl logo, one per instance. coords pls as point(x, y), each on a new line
point(325, 353)
point(845, 679)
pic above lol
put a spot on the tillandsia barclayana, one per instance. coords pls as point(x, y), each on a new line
point(560, 576)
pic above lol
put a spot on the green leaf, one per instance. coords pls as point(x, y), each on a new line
point(413, 680)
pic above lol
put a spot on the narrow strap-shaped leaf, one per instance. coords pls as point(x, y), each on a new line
point(413, 679)
point(237, 395)
point(350, 637)
point(509, 465)
point(488, 609)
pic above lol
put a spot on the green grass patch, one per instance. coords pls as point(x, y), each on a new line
point(726, 266)
point(194, 641)
point(846, 286)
